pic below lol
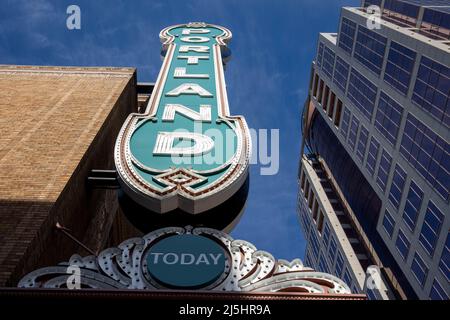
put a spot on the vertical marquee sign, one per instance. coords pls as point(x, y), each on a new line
point(185, 152)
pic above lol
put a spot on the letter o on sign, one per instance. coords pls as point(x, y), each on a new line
point(170, 258)
point(186, 261)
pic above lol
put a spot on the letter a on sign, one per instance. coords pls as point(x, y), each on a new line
point(186, 151)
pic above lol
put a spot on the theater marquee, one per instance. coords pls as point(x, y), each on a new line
point(183, 170)
point(185, 152)
point(187, 259)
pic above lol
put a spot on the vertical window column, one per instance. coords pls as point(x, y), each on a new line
point(397, 185)
point(419, 269)
point(399, 67)
point(431, 228)
point(431, 90)
point(362, 143)
point(353, 133)
point(345, 123)
point(319, 55)
point(388, 118)
point(444, 263)
point(412, 206)
point(428, 153)
point(341, 72)
point(388, 223)
point(372, 156)
point(347, 35)
point(362, 93)
point(383, 170)
point(369, 49)
point(328, 62)
point(402, 244)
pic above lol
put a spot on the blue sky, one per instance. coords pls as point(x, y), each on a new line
point(267, 78)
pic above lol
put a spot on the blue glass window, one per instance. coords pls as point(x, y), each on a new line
point(431, 91)
point(399, 67)
point(388, 118)
point(309, 261)
point(437, 17)
point(428, 154)
point(347, 278)
point(402, 244)
point(332, 250)
point(372, 156)
point(347, 35)
point(354, 288)
point(388, 223)
point(437, 293)
point(306, 224)
point(353, 133)
point(326, 234)
point(323, 266)
point(407, 9)
point(431, 228)
point(319, 55)
point(362, 143)
point(419, 269)
point(339, 264)
point(314, 244)
point(328, 62)
point(398, 183)
point(412, 205)
point(383, 170)
point(370, 294)
point(369, 49)
point(372, 2)
point(362, 93)
point(341, 71)
point(444, 264)
point(345, 123)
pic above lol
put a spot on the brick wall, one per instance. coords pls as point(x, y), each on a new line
point(57, 124)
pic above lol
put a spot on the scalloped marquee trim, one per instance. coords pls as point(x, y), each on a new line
point(247, 269)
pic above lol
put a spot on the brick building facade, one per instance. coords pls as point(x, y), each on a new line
point(58, 123)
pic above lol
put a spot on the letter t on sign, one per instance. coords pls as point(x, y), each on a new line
point(193, 59)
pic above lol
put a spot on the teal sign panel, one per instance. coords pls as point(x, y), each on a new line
point(186, 151)
point(186, 261)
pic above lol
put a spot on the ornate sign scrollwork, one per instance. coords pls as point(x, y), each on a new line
point(246, 268)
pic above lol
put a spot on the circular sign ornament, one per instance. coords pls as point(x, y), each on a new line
point(186, 261)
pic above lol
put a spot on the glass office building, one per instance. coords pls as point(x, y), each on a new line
point(374, 177)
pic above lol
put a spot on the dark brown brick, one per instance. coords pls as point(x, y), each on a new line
point(57, 123)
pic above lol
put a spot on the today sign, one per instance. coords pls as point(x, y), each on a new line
point(185, 151)
point(171, 258)
point(186, 261)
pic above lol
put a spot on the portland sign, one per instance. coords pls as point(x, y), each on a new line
point(185, 152)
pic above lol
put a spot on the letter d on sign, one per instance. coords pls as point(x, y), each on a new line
point(187, 258)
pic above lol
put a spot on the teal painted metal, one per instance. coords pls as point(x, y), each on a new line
point(186, 261)
point(185, 151)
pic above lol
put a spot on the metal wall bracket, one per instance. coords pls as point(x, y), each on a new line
point(103, 179)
